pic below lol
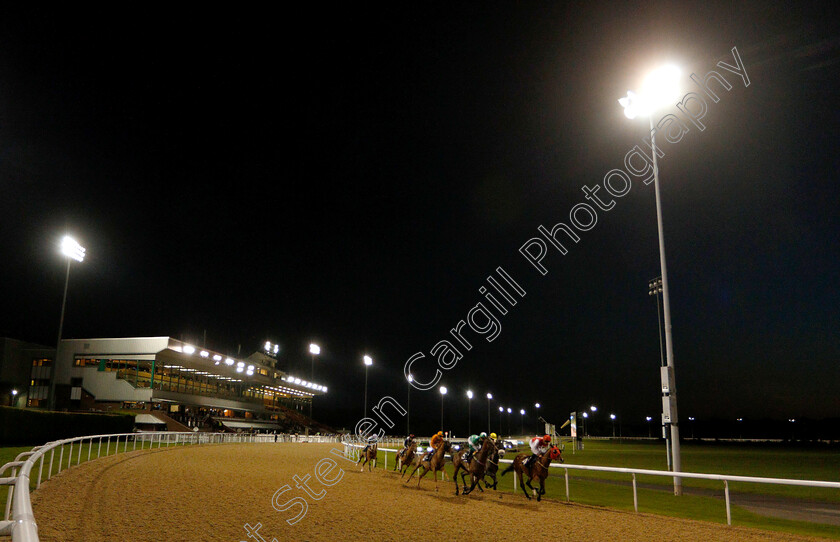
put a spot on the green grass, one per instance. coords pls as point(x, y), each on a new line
point(586, 487)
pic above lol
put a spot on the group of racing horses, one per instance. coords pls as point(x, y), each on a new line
point(483, 465)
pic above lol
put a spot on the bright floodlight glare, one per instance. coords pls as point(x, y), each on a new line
point(443, 390)
point(537, 405)
point(660, 88)
point(14, 392)
point(469, 394)
point(593, 408)
point(204, 353)
point(368, 360)
point(410, 378)
point(501, 409)
point(509, 411)
point(72, 249)
point(585, 415)
point(648, 418)
point(314, 349)
point(522, 411)
point(267, 346)
point(228, 361)
point(612, 416)
point(189, 349)
point(489, 395)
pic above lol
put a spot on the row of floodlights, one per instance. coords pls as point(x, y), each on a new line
point(201, 373)
point(305, 384)
point(240, 366)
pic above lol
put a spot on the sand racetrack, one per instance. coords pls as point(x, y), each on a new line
point(210, 492)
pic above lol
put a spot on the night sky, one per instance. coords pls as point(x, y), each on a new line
point(353, 176)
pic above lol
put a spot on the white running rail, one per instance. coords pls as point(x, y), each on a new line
point(351, 450)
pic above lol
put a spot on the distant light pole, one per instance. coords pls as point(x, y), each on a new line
point(521, 421)
point(537, 406)
point(314, 350)
point(691, 419)
point(648, 418)
point(509, 411)
point(410, 379)
point(585, 417)
point(14, 397)
point(489, 397)
point(501, 427)
point(73, 251)
point(442, 395)
point(660, 88)
point(368, 362)
point(469, 412)
point(612, 417)
point(740, 428)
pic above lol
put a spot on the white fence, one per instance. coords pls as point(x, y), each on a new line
point(22, 526)
point(351, 450)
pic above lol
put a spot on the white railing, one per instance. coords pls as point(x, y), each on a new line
point(22, 526)
point(351, 450)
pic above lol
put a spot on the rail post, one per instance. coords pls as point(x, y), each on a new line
point(728, 511)
point(567, 485)
point(635, 496)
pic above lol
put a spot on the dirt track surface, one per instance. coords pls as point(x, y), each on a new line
point(211, 492)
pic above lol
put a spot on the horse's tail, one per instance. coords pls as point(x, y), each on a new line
point(507, 470)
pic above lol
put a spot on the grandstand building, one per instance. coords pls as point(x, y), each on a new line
point(195, 386)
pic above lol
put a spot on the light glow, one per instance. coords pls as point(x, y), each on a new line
point(72, 249)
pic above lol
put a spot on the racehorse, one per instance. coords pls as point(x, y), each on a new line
point(476, 467)
point(404, 460)
point(435, 464)
point(538, 470)
point(369, 456)
point(493, 465)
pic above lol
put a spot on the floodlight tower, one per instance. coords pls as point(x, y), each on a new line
point(661, 88)
point(73, 251)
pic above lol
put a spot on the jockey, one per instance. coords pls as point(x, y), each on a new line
point(370, 440)
point(474, 442)
point(437, 440)
point(539, 446)
point(408, 440)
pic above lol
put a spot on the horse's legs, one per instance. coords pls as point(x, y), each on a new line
point(420, 476)
point(522, 484)
point(412, 472)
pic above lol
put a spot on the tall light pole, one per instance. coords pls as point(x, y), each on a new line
point(612, 417)
point(521, 421)
point(661, 88)
point(585, 416)
point(442, 395)
point(368, 362)
point(537, 406)
point(501, 428)
point(314, 350)
point(508, 411)
point(408, 405)
point(14, 397)
point(648, 419)
point(73, 251)
point(469, 412)
point(489, 397)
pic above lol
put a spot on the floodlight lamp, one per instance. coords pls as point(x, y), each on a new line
point(593, 408)
point(501, 409)
point(536, 405)
point(267, 346)
point(612, 416)
point(314, 349)
point(188, 349)
point(469, 394)
point(72, 249)
point(228, 361)
point(522, 411)
point(489, 395)
point(411, 378)
point(368, 360)
point(509, 410)
point(14, 392)
point(585, 415)
point(205, 353)
point(443, 390)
